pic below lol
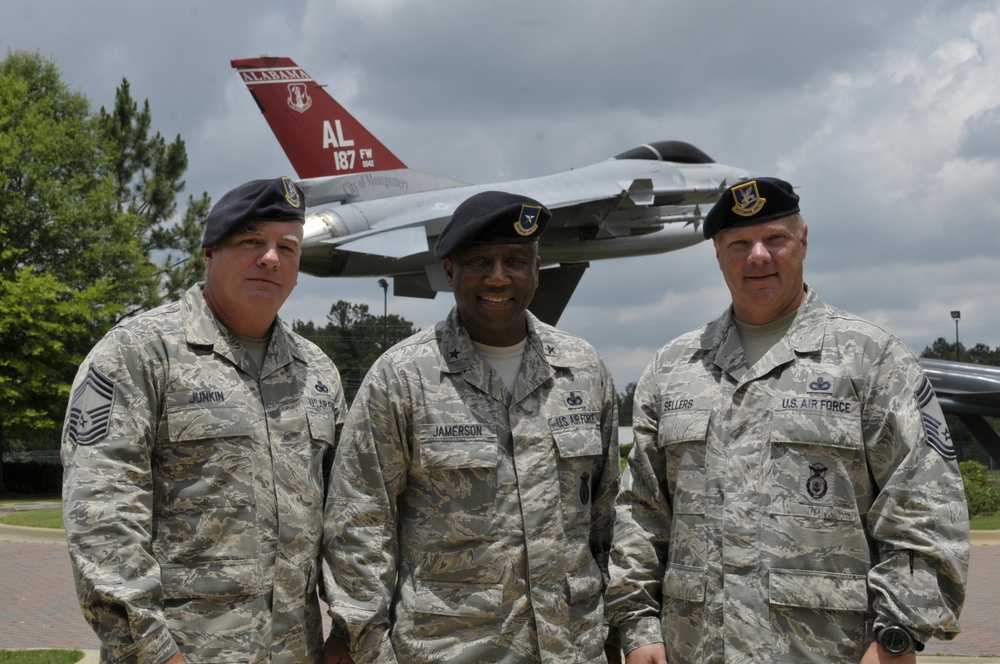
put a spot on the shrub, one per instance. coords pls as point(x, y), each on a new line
point(982, 496)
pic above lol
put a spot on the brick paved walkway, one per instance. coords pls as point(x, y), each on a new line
point(38, 607)
point(981, 614)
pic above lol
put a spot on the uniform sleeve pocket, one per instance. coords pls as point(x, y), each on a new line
point(818, 590)
point(685, 583)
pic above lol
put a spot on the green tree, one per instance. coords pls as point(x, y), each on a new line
point(148, 177)
point(625, 400)
point(354, 339)
point(81, 212)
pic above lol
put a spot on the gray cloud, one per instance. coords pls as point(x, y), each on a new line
point(882, 114)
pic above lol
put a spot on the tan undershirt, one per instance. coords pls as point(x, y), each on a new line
point(505, 360)
point(758, 339)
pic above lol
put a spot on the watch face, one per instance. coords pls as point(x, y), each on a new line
point(895, 640)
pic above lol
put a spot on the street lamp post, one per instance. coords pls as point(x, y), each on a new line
point(956, 315)
point(385, 313)
point(958, 428)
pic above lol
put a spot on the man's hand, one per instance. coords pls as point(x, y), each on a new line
point(176, 658)
point(335, 651)
point(653, 653)
point(875, 655)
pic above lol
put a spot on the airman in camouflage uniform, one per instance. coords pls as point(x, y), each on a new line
point(786, 507)
point(196, 466)
point(470, 513)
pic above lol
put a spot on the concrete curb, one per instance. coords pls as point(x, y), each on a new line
point(32, 535)
point(89, 656)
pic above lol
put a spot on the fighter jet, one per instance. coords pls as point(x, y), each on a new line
point(383, 218)
point(972, 393)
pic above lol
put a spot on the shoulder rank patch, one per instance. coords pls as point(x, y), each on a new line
point(90, 408)
point(938, 435)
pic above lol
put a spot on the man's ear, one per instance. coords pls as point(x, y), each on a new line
point(448, 267)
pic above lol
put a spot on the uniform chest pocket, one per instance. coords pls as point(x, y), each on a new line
point(580, 450)
point(456, 464)
point(816, 459)
point(682, 434)
point(456, 446)
point(322, 417)
point(205, 459)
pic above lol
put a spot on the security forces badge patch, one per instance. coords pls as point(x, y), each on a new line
point(816, 485)
point(748, 199)
point(585, 488)
point(90, 408)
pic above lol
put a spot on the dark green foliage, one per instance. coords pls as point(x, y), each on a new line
point(354, 339)
point(32, 477)
point(85, 202)
point(980, 491)
point(625, 405)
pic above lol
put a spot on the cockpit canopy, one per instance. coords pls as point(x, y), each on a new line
point(676, 151)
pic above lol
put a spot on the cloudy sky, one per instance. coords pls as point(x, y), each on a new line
point(885, 115)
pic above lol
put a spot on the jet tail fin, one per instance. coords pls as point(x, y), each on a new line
point(555, 288)
point(318, 136)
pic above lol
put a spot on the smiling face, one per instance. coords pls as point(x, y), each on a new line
point(762, 266)
point(251, 273)
point(493, 285)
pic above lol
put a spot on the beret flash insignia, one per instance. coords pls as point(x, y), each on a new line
point(748, 199)
point(527, 221)
point(291, 192)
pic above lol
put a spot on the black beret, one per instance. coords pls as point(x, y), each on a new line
point(751, 202)
point(276, 199)
point(493, 217)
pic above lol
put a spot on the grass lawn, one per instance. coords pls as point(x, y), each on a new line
point(40, 656)
point(991, 522)
point(46, 517)
point(51, 517)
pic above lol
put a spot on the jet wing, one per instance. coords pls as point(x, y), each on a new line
point(971, 392)
point(964, 388)
point(390, 243)
point(616, 209)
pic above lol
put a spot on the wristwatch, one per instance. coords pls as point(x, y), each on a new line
point(897, 641)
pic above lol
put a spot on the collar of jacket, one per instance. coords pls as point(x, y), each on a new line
point(203, 329)
point(460, 355)
point(805, 335)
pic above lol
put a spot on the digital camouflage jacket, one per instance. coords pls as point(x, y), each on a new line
point(193, 493)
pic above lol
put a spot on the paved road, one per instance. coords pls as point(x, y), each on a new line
point(38, 606)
